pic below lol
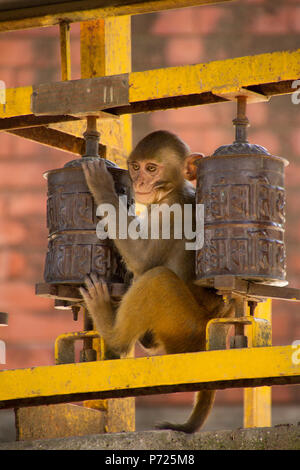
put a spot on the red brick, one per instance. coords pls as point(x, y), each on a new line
point(25, 148)
point(293, 230)
point(12, 264)
point(208, 20)
point(189, 21)
point(294, 19)
point(184, 51)
point(20, 356)
point(276, 22)
point(75, 29)
point(206, 140)
point(46, 53)
point(12, 233)
point(292, 173)
point(294, 261)
point(27, 322)
point(22, 205)
point(34, 267)
point(35, 33)
point(233, 395)
point(295, 141)
point(258, 113)
point(18, 296)
point(293, 201)
point(201, 139)
point(283, 394)
point(57, 159)
point(280, 325)
point(24, 76)
point(75, 53)
point(182, 398)
point(7, 145)
point(22, 175)
point(174, 22)
point(7, 75)
point(266, 138)
point(16, 52)
point(200, 115)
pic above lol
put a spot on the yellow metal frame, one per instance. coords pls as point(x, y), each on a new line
point(218, 77)
point(148, 375)
point(105, 50)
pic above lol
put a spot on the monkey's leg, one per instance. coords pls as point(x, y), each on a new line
point(161, 303)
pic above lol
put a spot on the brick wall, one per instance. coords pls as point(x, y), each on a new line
point(170, 38)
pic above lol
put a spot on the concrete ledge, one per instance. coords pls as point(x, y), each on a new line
point(282, 437)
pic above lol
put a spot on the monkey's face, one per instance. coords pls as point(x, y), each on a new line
point(149, 181)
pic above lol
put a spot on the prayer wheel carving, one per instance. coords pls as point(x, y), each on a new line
point(242, 188)
point(74, 248)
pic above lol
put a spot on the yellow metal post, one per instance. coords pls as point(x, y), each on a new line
point(106, 50)
point(258, 401)
point(65, 50)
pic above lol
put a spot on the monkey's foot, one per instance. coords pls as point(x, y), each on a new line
point(186, 427)
point(97, 299)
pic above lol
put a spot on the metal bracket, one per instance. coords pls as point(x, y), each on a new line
point(84, 97)
point(259, 331)
point(65, 346)
point(254, 290)
point(252, 96)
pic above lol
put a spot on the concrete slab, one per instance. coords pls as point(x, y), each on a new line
point(283, 437)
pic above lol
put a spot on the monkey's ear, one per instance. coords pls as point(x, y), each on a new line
point(190, 168)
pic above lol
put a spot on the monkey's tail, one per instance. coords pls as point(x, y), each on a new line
point(203, 405)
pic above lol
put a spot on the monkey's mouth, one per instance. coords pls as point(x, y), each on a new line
point(142, 194)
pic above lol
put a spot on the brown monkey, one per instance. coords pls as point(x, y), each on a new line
point(163, 308)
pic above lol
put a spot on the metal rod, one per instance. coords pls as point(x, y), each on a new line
point(87, 354)
point(92, 137)
point(241, 121)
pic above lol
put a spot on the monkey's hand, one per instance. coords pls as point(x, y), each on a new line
point(97, 299)
point(99, 180)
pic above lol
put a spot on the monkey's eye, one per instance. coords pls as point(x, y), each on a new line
point(135, 166)
point(151, 168)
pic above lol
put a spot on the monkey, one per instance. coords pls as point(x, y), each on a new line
point(163, 308)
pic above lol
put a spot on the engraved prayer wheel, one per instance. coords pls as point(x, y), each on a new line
point(74, 248)
point(242, 189)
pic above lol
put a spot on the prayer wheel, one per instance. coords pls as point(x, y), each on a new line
point(242, 188)
point(74, 248)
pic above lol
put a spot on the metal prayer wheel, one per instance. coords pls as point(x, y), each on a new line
point(242, 188)
point(74, 250)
